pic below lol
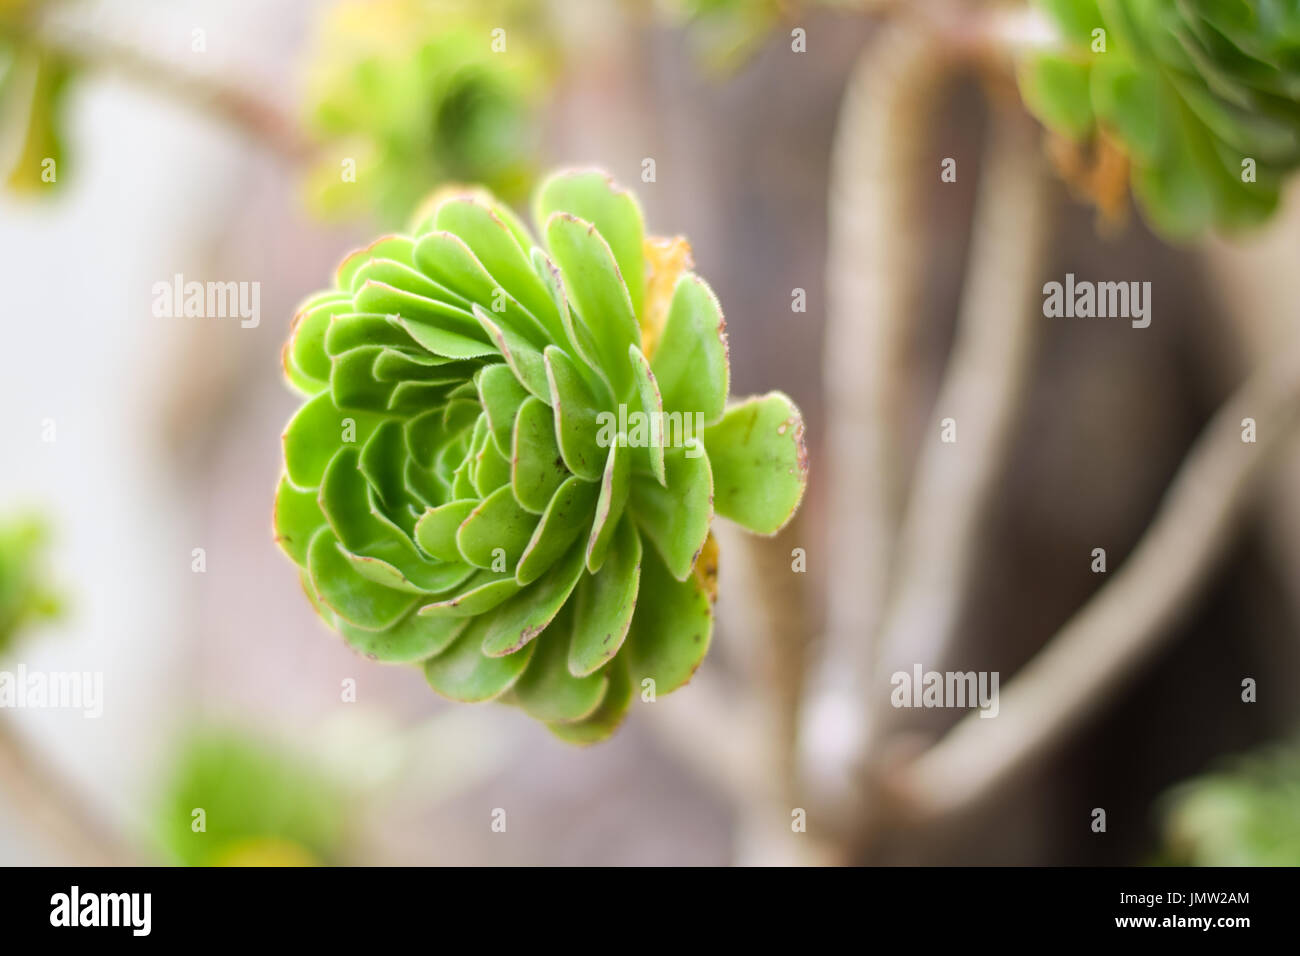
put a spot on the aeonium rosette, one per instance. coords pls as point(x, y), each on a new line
point(510, 455)
point(1200, 99)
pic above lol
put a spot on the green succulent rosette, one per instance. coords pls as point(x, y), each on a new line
point(418, 93)
point(497, 472)
point(1189, 89)
point(25, 597)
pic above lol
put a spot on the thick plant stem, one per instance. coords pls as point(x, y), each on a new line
point(728, 742)
point(722, 738)
point(245, 110)
point(786, 614)
point(876, 265)
point(770, 620)
point(49, 808)
point(1124, 624)
point(977, 407)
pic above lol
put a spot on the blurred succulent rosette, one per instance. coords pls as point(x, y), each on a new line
point(510, 453)
point(1246, 813)
point(26, 597)
point(406, 95)
point(232, 799)
point(1201, 99)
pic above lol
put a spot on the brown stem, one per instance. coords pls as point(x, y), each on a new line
point(874, 272)
point(875, 267)
point(982, 392)
point(258, 118)
point(1123, 624)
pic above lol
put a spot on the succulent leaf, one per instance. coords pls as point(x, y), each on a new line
point(614, 487)
point(690, 361)
point(591, 195)
point(463, 672)
point(759, 463)
point(547, 691)
point(676, 514)
point(670, 634)
point(605, 604)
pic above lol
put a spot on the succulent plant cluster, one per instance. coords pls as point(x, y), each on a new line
point(421, 92)
point(1190, 90)
point(494, 475)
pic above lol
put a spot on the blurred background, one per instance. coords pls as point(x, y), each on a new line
point(208, 138)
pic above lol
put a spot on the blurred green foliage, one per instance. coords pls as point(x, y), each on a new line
point(1247, 814)
point(726, 33)
point(25, 596)
point(421, 93)
point(262, 806)
point(33, 94)
point(1190, 89)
